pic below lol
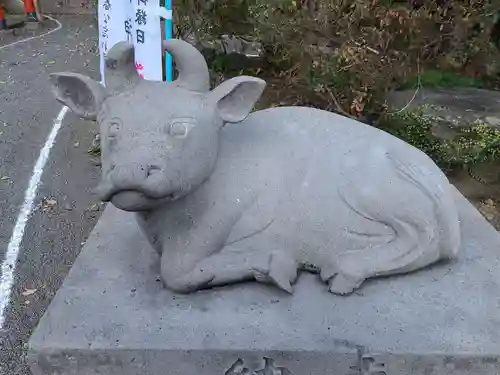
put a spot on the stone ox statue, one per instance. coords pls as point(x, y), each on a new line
point(225, 195)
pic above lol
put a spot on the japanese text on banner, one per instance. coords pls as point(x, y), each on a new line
point(136, 21)
point(146, 35)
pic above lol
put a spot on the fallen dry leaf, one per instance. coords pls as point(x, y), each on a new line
point(50, 202)
point(489, 202)
point(28, 292)
point(94, 207)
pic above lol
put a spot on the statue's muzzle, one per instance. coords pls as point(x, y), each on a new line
point(144, 179)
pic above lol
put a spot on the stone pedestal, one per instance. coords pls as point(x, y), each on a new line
point(113, 317)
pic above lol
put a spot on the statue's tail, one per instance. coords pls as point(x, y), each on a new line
point(440, 192)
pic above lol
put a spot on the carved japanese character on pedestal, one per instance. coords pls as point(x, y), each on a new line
point(269, 368)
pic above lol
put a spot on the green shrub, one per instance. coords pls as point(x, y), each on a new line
point(471, 146)
point(346, 54)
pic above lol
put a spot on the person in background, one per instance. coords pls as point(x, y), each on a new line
point(3, 22)
point(29, 10)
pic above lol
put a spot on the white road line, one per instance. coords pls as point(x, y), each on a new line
point(9, 264)
point(59, 26)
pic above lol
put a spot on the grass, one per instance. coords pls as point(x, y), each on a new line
point(435, 79)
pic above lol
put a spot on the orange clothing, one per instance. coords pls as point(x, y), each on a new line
point(29, 6)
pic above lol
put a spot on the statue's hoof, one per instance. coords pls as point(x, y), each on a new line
point(344, 285)
point(281, 271)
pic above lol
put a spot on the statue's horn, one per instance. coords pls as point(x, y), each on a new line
point(191, 65)
point(120, 70)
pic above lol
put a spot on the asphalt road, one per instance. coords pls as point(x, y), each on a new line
point(65, 209)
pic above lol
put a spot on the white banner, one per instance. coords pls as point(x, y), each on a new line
point(137, 21)
point(147, 33)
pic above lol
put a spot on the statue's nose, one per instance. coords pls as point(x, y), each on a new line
point(133, 174)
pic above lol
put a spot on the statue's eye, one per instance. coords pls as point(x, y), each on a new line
point(113, 129)
point(179, 129)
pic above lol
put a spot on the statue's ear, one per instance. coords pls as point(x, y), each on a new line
point(81, 94)
point(235, 98)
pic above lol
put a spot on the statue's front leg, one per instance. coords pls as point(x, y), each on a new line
point(233, 265)
point(186, 260)
point(183, 275)
point(230, 266)
point(213, 258)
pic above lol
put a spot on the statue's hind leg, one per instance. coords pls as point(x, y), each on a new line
point(394, 201)
point(407, 252)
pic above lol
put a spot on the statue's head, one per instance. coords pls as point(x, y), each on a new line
point(158, 140)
